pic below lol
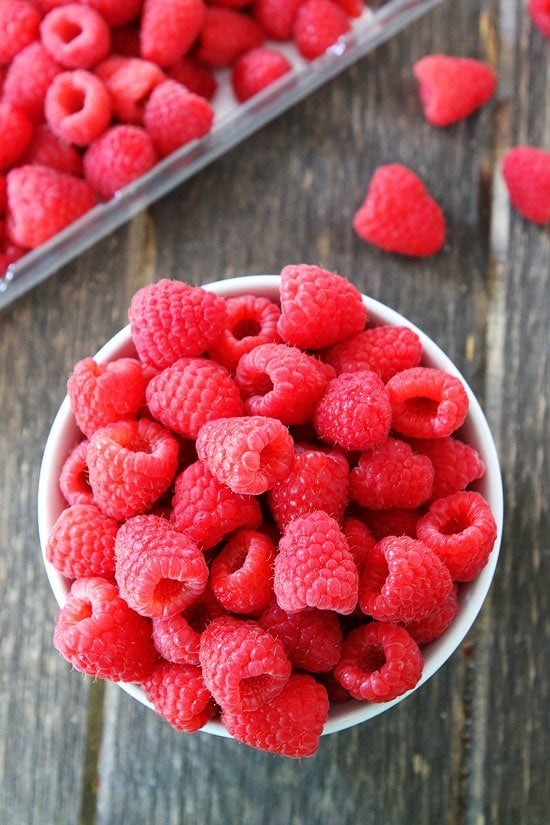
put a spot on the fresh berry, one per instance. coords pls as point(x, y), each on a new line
point(16, 129)
point(462, 530)
point(276, 17)
point(256, 69)
point(179, 695)
point(77, 106)
point(354, 413)
point(379, 662)
point(243, 665)
point(115, 12)
point(73, 478)
point(312, 638)
point(241, 576)
point(526, 172)
point(131, 464)
point(314, 566)
point(318, 308)
point(451, 88)
point(251, 321)
point(431, 627)
point(540, 15)
point(159, 571)
point(390, 475)
point(117, 157)
point(399, 215)
point(28, 78)
point(359, 538)
point(164, 44)
point(76, 36)
point(427, 402)
point(198, 78)
point(318, 25)
point(225, 35)
point(174, 116)
point(100, 635)
point(289, 725)
point(129, 81)
point(392, 522)
point(385, 350)
point(456, 464)
point(177, 638)
point(19, 26)
point(47, 149)
point(82, 542)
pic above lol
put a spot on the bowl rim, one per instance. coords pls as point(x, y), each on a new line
point(64, 434)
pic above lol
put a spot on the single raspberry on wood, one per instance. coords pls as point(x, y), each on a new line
point(385, 350)
point(241, 576)
point(427, 402)
point(540, 15)
point(179, 695)
point(452, 88)
point(526, 172)
point(82, 542)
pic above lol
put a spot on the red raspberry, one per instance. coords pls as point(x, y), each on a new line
point(16, 129)
point(117, 157)
point(76, 36)
point(243, 665)
point(73, 478)
point(28, 78)
point(402, 580)
point(42, 202)
point(392, 522)
point(251, 321)
point(312, 638)
point(379, 662)
point(129, 81)
point(281, 382)
point(241, 576)
point(171, 320)
point(289, 725)
point(256, 69)
point(540, 15)
point(455, 463)
point(432, 626)
point(177, 638)
point(164, 44)
point(314, 566)
point(179, 695)
point(399, 215)
point(390, 475)
point(101, 394)
point(526, 172)
point(77, 106)
point(354, 413)
point(354, 8)
point(359, 538)
point(250, 453)
point(276, 17)
point(131, 464)
point(461, 529)
point(191, 392)
point(427, 402)
point(82, 542)
point(318, 480)
point(225, 35)
point(384, 350)
point(19, 24)
point(174, 116)
point(318, 25)
point(198, 78)
point(451, 88)
point(319, 308)
point(100, 635)
point(207, 510)
point(47, 149)
point(159, 570)
point(115, 12)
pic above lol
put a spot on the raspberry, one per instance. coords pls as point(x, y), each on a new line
point(282, 382)
point(82, 542)
point(47, 149)
point(171, 320)
point(164, 44)
point(179, 695)
point(101, 394)
point(131, 464)
point(77, 106)
point(243, 665)
point(251, 321)
point(318, 25)
point(42, 202)
point(191, 392)
point(198, 78)
point(19, 25)
point(455, 463)
point(250, 454)
point(314, 566)
point(174, 116)
point(384, 350)
point(318, 308)
point(241, 576)
point(177, 638)
point(117, 157)
point(390, 475)
point(392, 522)
point(76, 36)
point(379, 662)
point(354, 413)
point(276, 17)
point(402, 580)
point(451, 88)
point(16, 129)
point(73, 478)
point(114, 12)
point(225, 35)
point(289, 725)
point(256, 69)
point(435, 623)
point(526, 172)
point(28, 78)
point(399, 215)
point(318, 480)
point(359, 538)
point(461, 529)
point(100, 635)
point(427, 402)
point(207, 510)
point(312, 638)
point(129, 81)
point(540, 15)
point(159, 571)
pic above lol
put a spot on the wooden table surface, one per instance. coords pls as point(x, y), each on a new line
point(472, 745)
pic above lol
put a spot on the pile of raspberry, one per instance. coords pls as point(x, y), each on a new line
point(269, 511)
point(94, 93)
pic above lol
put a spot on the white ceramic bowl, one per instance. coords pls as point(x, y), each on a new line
point(64, 434)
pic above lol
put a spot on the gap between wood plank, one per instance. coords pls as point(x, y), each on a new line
point(94, 734)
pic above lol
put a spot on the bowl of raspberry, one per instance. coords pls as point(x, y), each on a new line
point(269, 508)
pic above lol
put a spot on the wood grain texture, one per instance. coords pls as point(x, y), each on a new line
point(471, 747)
